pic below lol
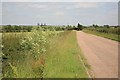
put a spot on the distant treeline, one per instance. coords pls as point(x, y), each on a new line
point(15, 28)
point(105, 28)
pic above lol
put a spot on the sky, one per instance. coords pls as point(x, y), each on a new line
point(59, 13)
point(59, 0)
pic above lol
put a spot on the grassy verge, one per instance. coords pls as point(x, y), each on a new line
point(62, 59)
point(105, 35)
point(59, 60)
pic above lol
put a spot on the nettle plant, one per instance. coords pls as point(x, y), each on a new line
point(35, 42)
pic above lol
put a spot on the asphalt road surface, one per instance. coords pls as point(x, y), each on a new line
point(101, 54)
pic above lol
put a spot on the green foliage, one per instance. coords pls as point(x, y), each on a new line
point(80, 27)
point(15, 72)
point(23, 49)
point(27, 53)
point(15, 28)
point(12, 51)
point(62, 58)
point(107, 32)
point(38, 71)
point(111, 30)
point(36, 42)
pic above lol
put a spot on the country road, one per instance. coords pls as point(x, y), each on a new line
point(101, 54)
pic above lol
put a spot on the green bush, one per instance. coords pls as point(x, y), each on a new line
point(22, 49)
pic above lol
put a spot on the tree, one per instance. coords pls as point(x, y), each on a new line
point(45, 24)
point(38, 24)
point(107, 26)
point(41, 25)
point(80, 27)
point(95, 26)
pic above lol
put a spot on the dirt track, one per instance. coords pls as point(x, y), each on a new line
point(101, 53)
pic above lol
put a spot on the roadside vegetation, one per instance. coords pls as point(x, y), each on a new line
point(47, 51)
point(62, 59)
point(22, 53)
point(109, 32)
point(41, 52)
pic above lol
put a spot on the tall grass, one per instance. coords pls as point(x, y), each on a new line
point(62, 58)
point(1, 55)
point(24, 53)
point(41, 54)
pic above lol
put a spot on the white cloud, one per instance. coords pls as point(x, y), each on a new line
point(38, 6)
point(59, 13)
point(86, 5)
point(69, 7)
point(111, 17)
